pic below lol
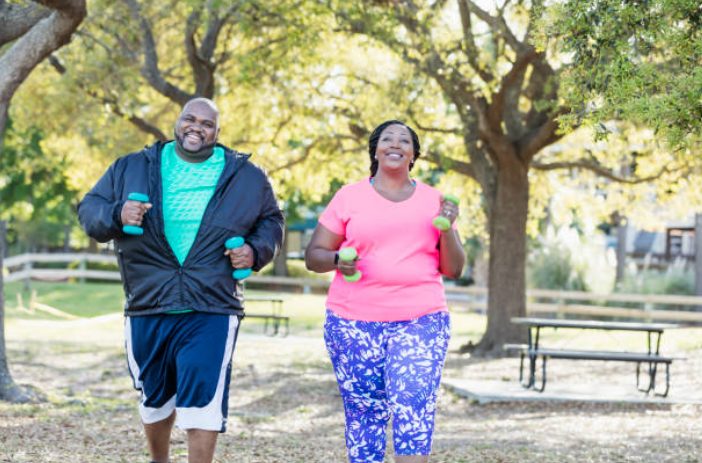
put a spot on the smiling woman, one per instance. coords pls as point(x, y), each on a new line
point(387, 333)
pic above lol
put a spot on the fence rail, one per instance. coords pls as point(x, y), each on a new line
point(472, 298)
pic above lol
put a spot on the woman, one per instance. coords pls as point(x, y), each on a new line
point(387, 334)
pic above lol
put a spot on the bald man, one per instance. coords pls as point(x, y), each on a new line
point(183, 307)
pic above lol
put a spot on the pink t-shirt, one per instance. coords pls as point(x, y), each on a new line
point(397, 244)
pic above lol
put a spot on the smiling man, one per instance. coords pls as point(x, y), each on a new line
point(183, 306)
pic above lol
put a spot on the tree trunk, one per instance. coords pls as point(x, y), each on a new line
point(698, 256)
point(622, 232)
point(9, 391)
point(16, 63)
point(507, 216)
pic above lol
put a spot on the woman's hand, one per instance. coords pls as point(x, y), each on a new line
point(348, 267)
point(448, 209)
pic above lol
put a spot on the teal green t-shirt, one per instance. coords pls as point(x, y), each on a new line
point(187, 189)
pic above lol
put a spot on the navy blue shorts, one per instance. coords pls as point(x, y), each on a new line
point(182, 363)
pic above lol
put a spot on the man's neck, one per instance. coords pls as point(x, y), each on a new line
point(193, 158)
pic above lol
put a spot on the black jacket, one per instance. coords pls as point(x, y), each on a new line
point(243, 204)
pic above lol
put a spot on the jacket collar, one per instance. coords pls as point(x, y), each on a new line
point(153, 152)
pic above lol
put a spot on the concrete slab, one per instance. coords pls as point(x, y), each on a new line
point(511, 391)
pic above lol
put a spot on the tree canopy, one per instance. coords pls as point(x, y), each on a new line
point(639, 61)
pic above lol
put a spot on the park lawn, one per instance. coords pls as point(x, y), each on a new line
point(306, 312)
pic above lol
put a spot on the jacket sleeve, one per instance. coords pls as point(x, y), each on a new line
point(100, 210)
point(266, 238)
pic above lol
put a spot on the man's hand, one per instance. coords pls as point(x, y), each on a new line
point(133, 212)
point(241, 257)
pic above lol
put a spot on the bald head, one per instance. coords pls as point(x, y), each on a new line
point(201, 101)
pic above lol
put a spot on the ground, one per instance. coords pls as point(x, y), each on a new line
point(285, 407)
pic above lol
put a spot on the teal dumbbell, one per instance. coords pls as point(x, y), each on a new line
point(440, 222)
point(233, 243)
point(135, 229)
point(349, 254)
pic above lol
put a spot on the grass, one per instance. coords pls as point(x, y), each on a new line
point(306, 312)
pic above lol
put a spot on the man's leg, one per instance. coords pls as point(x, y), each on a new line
point(201, 445)
point(158, 436)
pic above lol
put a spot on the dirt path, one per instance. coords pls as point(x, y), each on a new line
point(284, 407)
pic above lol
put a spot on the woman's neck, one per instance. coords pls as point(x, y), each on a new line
point(390, 182)
point(393, 188)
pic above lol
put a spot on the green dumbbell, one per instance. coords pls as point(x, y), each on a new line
point(233, 243)
point(347, 255)
point(440, 222)
point(134, 229)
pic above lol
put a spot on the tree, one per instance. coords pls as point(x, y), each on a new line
point(503, 103)
point(145, 61)
point(34, 31)
point(635, 60)
point(37, 198)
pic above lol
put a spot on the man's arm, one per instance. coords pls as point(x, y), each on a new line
point(266, 238)
point(99, 211)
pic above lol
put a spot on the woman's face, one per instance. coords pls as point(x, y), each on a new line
point(395, 149)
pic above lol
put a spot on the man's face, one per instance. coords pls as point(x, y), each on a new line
point(197, 129)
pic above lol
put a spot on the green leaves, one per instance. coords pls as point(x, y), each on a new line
point(635, 60)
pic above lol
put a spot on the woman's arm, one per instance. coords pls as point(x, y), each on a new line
point(321, 253)
point(452, 256)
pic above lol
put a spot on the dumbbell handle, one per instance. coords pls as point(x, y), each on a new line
point(135, 229)
point(348, 254)
point(233, 243)
point(440, 222)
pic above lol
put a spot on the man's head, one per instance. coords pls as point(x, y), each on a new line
point(197, 129)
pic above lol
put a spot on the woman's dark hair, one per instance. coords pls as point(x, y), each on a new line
point(375, 136)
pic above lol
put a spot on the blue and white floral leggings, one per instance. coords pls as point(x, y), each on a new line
point(388, 370)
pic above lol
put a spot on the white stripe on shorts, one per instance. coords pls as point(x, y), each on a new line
point(209, 417)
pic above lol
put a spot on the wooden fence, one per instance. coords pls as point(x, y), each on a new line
point(472, 298)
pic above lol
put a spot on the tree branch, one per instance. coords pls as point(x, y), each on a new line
point(150, 70)
point(601, 171)
point(497, 24)
point(112, 103)
point(495, 113)
point(471, 50)
point(17, 20)
point(33, 47)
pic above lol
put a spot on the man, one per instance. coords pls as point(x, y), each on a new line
point(183, 307)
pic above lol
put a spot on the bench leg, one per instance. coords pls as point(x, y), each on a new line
point(531, 382)
point(651, 378)
point(667, 382)
point(543, 376)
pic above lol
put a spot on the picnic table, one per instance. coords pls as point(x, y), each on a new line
point(273, 319)
point(651, 357)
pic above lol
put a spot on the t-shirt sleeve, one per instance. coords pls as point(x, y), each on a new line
point(334, 217)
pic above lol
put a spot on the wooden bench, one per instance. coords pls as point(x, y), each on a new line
point(651, 358)
point(274, 319)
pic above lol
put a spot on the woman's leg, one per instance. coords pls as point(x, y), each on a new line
point(416, 353)
point(358, 355)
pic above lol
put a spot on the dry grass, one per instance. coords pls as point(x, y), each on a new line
point(285, 407)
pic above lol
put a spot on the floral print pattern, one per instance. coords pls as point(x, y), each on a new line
point(388, 370)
